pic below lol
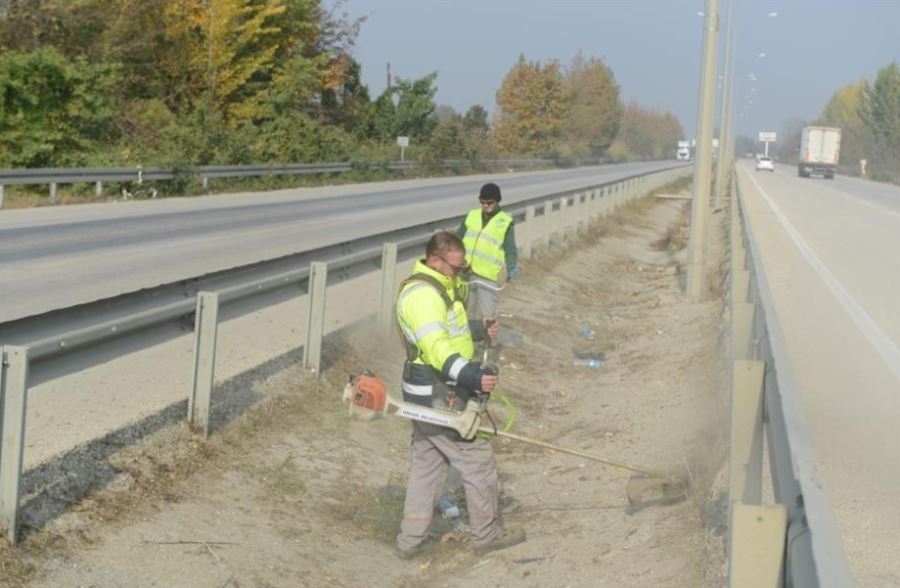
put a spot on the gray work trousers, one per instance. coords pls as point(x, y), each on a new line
point(433, 450)
point(482, 300)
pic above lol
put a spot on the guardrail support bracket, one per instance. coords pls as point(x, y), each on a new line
point(745, 475)
point(388, 294)
point(13, 399)
point(315, 318)
point(757, 546)
point(205, 329)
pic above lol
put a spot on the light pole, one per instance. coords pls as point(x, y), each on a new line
point(696, 277)
point(723, 165)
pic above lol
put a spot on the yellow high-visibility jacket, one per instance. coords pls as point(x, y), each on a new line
point(484, 244)
point(438, 336)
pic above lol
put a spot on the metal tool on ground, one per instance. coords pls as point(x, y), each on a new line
point(368, 399)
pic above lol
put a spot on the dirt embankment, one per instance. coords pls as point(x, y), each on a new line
point(293, 493)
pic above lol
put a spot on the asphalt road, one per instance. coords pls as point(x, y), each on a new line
point(831, 251)
point(62, 256)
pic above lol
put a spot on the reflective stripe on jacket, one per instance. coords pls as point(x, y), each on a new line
point(484, 244)
point(440, 334)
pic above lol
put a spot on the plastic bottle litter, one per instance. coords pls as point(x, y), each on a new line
point(590, 362)
point(448, 508)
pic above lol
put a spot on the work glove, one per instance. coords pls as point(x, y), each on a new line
point(512, 272)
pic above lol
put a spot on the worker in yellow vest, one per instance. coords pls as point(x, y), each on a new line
point(490, 241)
point(439, 341)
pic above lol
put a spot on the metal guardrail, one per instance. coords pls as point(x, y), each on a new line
point(794, 542)
point(55, 176)
point(40, 348)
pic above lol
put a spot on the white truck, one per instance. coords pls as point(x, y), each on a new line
point(684, 151)
point(820, 150)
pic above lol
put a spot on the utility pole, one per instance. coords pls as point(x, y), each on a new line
point(723, 165)
point(696, 278)
point(729, 116)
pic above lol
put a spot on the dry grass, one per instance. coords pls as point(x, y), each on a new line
point(159, 470)
point(377, 511)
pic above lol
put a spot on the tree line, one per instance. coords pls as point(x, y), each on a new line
point(869, 118)
point(177, 83)
point(868, 115)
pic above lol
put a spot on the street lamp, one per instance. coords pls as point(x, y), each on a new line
point(696, 281)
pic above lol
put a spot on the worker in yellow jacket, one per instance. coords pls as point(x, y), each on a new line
point(490, 240)
point(438, 337)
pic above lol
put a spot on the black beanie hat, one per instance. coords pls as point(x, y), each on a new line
point(490, 191)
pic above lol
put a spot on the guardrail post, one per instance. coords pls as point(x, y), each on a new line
point(205, 183)
point(527, 233)
point(756, 546)
point(742, 314)
point(206, 325)
point(315, 317)
point(745, 474)
point(579, 212)
point(548, 222)
point(54, 196)
point(98, 189)
point(740, 285)
point(562, 219)
point(388, 294)
point(13, 399)
point(1, 196)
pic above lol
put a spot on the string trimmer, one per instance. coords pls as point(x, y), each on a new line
point(368, 399)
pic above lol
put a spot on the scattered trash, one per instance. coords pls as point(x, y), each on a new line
point(592, 362)
point(448, 508)
point(590, 359)
point(587, 333)
point(526, 560)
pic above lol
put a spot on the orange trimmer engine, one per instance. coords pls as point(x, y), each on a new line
point(367, 395)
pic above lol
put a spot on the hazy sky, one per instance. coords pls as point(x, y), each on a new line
point(812, 48)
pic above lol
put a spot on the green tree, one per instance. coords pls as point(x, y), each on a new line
point(406, 109)
point(532, 104)
point(880, 109)
point(347, 104)
point(843, 111)
point(592, 120)
point(476, 117)
point(53, 112)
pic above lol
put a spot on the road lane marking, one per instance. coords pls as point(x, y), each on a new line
point(880, 209)
point(883, 344)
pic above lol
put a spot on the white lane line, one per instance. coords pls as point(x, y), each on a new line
point(883, 344)
point(872, 205)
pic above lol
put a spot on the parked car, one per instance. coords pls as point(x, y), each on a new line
point(765, 163)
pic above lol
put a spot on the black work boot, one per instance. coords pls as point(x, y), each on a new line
point(505, 538)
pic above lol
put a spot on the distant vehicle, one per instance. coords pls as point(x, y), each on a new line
point(684, 151)
point(765, 163)
point(820, 150)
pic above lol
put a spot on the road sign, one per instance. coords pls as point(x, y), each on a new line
point(404, 141)
point(767, 136)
